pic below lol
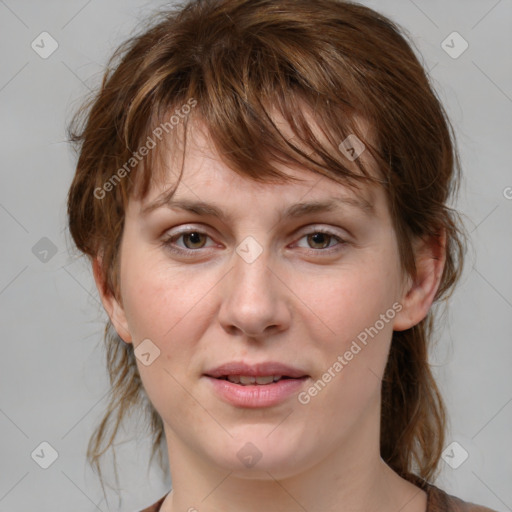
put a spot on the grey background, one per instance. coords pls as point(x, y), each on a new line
point(52, 377)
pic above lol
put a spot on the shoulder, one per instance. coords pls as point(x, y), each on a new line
point(440, 501)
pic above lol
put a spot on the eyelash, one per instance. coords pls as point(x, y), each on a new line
point(168, 242)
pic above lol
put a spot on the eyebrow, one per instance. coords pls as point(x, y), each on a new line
point(294, 211)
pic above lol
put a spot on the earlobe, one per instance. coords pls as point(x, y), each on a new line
point(112, 306)
point(419, 294)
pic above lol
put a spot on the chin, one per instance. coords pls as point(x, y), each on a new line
point(260, 457)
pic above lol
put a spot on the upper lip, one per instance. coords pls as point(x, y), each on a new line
point(255, 370)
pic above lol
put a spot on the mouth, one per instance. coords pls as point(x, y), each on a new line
point(260, 374)
point(259, 386)
point(248, 380)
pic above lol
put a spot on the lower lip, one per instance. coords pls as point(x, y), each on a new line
point(253, 396)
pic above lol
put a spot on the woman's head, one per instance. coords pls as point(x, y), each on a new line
point(253, 107)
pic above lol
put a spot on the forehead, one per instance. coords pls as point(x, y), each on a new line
point(205, 175)
point(210, 189)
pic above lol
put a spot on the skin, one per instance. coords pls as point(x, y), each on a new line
point(297, 303)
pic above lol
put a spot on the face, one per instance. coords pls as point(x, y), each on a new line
point(317, 290)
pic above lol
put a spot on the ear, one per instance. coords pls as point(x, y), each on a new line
point(419, 292)
point(112, 306)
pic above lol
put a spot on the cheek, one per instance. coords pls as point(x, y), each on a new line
point(348, 383)
point(348, 299)
point(162, 305)
point(352, 320)
point(160, 300)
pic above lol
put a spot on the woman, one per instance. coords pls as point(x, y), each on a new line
point(262, 190)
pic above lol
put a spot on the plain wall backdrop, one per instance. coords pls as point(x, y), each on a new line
point(53, 381)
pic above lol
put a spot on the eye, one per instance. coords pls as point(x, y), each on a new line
point(192, 240)
point(320, 240)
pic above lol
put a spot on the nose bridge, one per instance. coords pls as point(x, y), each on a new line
point(251, 277)
point(253, 300)
point(251, 274)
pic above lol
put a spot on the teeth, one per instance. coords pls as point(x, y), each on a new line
point(247, 380)
point(264, 380)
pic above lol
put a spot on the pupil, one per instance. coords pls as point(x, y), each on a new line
point(195, 238)
point(319, 238)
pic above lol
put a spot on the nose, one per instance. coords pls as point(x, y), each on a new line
point(256, 302)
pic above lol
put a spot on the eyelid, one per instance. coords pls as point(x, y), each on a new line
point(322, 228)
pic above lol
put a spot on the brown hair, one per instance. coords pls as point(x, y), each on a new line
point(233, 60)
